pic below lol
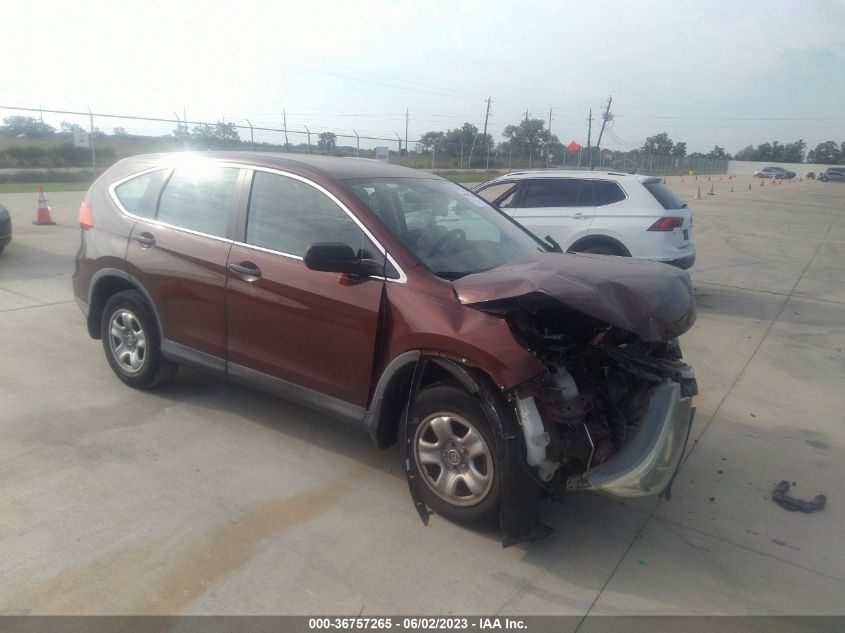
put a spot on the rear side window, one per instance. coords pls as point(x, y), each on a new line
point(558, 192)
point(200, 198)
point(139, 195)
point(288, 215)
point(664, 195)
point(607, 192)
point(503, 190)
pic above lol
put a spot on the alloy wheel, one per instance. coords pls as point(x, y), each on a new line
point(454, 459)
point(127, 341)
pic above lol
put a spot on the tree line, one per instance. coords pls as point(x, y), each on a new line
point(527, 139)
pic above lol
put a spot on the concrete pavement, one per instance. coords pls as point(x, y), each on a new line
point(210, 498)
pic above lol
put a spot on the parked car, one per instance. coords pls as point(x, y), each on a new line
point(835, 174)
point(404, 305)
point(774, 172)
point(608, 213)
point(5, 227)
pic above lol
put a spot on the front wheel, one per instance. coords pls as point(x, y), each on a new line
point(454, 455)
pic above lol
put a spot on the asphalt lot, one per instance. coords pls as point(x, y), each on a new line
point(209, 498)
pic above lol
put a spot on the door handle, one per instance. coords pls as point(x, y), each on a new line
point(579, 216)
point(247, 269)
point(145, 239)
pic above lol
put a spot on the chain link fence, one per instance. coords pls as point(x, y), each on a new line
point(89, 141)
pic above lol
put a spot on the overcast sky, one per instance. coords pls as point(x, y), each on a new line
point(709, 73)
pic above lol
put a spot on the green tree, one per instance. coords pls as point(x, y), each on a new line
point(119, 132)
point(717, 152)
point(327, 141)
point(66, 128)
point(25, 126)
point(430, 141)
point(827, 153)
point(746, 153)
point(226, 132)
point(659, 144)
point(528, 134)
point(794, 152)
point(679, 149)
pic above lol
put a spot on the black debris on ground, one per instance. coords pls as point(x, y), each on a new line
point(780, 497)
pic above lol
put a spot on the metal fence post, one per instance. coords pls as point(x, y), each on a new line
point(93, 150)
point(487, 166)
point(357, 145)
point(309, 137)
point(251, 136)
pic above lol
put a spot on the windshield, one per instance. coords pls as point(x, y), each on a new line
point(451, 230)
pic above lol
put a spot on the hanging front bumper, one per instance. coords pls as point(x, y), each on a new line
point(647, 465)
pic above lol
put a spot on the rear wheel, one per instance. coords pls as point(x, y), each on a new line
point(600, 248)
point(131, 341)
point(454, 455)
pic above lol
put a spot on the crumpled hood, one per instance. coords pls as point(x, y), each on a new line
point(654, 301)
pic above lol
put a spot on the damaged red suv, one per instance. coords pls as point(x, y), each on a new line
point(405, 305)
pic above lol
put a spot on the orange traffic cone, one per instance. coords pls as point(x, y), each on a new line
point(721, 178)
point(682, 179)
point(762, 180)
point(800, 180)
point(664, 180)
point(749, 186)
point(42, 214)
point(696, 176)
point(732, 189)
point(711, 193)
point(697, 194)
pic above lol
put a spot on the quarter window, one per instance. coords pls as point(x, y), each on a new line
point(139, 195)
point(504, 192)
point(607, 192)
point(200, 198)
point(288, 216)
point(558, 192)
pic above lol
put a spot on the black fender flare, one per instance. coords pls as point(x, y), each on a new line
point(600, 238)
point(519, 509)
point(103, 275)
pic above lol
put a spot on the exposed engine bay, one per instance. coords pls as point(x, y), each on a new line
point(597, 393)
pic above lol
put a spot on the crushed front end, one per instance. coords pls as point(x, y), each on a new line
point(613, 412)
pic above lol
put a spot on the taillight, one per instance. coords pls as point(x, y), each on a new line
point(667, 224)
point(86, 218)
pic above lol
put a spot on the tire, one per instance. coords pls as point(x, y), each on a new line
point(599, 249)
point(453, 435)
point(131, 341)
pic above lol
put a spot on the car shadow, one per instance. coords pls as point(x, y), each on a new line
point(571, 518)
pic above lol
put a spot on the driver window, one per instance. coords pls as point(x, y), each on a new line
point(288, 215)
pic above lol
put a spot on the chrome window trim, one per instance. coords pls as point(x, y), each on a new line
point(113, 190)
point(403, 278)
point(113, 193)
point(279, 172)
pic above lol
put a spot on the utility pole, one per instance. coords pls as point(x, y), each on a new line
point(524, 134)
point(606, 116)
point(472, 147)
point(285, 125)
point(486, 118)
point(406, 134)
point(589, 133)
point(549, 139)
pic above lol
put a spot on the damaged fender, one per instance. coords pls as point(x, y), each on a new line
point(519, 508)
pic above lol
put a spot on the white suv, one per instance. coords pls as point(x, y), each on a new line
point(598, 212)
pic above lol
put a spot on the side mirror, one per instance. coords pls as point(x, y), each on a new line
point(336, 257)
